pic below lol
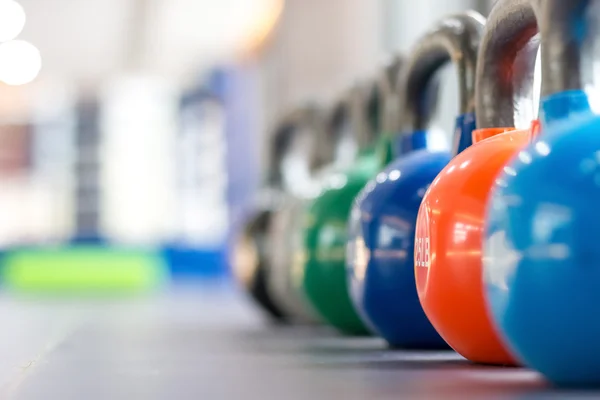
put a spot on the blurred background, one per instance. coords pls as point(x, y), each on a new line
point(135, 139)
point(146, 123)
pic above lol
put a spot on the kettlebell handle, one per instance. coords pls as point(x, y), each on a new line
point(379, 113)
point(506, 62)
point(308, 116)
point(368, 107)
point(511, 26)
point(563, 29)
point(455, 39)
point(360, 108)
point(338, 115)
point(389, 117)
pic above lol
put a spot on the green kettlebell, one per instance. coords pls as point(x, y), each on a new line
point(323, 277)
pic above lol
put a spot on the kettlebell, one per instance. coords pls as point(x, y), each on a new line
point(265, 277)
point(297, 162)
point(448, 265)
point(541, 257)
point(250, 260)
point(382, 228)
point(326, 217)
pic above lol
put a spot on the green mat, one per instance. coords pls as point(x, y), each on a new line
point(89, 269)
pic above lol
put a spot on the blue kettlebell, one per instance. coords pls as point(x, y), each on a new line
point(380, 262)
point(541, 254)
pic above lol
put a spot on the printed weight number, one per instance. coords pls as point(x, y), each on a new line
point(423, 249)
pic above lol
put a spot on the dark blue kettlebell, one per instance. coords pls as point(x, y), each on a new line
point(541, 254)
point(380, 260)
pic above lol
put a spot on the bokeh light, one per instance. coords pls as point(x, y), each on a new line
point(20, 62)
point(12, 20)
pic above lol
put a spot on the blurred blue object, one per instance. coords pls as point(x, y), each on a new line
point(186, 262)
point(239, 85)
point(541, 272)
point(229, 89)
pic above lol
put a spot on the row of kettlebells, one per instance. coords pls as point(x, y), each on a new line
point(490, 247)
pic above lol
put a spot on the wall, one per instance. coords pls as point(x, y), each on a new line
point(319, 49)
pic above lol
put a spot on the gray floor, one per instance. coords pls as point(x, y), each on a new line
point(208, 343)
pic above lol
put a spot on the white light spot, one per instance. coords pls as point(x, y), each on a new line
point(499, 261)
point(394, 175)
point(20, 62)
point(525, 157)
point(501, 183)
point(542, 148)
point(12, 20)
point(338, 181)
point(370, 186)
point(510, 171)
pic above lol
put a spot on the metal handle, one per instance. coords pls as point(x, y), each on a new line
point(358, 110)
point(307, 116)
point(364, 112)
point(369, 109)
point(389, 116)
point(563, 29)
point(506, 63)
point(455, 39)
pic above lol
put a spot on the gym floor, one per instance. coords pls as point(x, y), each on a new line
point(211, 343)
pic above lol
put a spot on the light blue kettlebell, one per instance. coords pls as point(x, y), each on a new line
point(541, 255)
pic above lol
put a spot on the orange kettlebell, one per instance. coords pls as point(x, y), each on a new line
point(448, 240)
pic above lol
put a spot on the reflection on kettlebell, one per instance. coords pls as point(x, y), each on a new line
point(541, 232)
point(380, 250)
